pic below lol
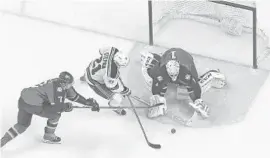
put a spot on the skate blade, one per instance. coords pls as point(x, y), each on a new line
point(50, 142)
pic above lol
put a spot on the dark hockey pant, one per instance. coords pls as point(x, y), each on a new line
point(24, 119)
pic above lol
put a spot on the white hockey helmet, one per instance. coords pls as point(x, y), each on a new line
point(120, 59)
point(173, 68)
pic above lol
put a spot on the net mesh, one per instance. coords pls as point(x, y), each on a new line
point(230, 19)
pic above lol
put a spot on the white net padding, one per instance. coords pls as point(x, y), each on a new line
point(232, 20)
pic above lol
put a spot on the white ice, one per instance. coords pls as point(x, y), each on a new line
point(33, 51)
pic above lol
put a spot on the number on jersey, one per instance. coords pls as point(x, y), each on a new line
point(96, 65)
point(100, 63)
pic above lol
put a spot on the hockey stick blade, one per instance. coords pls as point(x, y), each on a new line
point(155, 146)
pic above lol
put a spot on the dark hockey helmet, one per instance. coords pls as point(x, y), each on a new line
point(67, 79)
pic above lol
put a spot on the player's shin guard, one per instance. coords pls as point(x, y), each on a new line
point(9, 135)
point(49, 136)
point(115, 101)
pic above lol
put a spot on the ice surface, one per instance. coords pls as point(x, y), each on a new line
point(34, 51)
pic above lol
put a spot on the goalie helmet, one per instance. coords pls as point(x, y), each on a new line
point(173, 68)
point(67, 79)
point(120, 59)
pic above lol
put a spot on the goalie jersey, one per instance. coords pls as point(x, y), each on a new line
point(188, 76)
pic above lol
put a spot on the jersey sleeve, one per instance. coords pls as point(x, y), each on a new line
point(56, 97)
point(111, 77)
point(159, 88)
point(160, 80)
point(73, 95)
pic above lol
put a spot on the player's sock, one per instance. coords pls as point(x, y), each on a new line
point(49, 136)
point(9, 135)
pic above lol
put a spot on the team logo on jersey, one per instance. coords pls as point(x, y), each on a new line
point(59, 89)
point(187, 77)
point(159, 78)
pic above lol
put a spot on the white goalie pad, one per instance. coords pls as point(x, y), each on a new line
point(146, 59)
point(148, 80)
point(158, 110)
point(212, 78)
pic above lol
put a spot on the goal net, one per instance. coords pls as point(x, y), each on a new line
point(231, 19)
point(234, 18)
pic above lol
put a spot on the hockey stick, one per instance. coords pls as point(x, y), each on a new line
point(107, 107)
point(155, 146)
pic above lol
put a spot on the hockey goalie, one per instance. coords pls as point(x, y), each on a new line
point(176, 66)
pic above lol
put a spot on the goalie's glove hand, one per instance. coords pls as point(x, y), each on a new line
point(201, 108)
point(68, 107)
point(92, 102)
point(126, 92)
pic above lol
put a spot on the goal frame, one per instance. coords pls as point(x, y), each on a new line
point(254, 25)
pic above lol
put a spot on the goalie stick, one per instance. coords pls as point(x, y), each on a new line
point(155, 146)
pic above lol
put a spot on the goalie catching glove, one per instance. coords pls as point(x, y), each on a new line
point(160, 108)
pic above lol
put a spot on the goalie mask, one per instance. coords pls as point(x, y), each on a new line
point(173, 68)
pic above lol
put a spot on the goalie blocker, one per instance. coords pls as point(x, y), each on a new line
point(177, 66)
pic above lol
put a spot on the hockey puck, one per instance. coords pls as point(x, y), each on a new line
point(173, 130)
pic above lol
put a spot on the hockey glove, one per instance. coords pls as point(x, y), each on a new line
point(126, 92)
point(68, 107)
point(92, 102)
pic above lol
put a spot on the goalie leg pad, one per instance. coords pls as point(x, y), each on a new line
point(148, 80)
point(212, 78)
point(158, 110)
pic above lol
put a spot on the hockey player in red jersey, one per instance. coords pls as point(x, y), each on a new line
point(47, 99)
point(176, 66)
point(102, 75)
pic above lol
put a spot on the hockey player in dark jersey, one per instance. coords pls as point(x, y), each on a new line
point(47, 99)
point(176, 66)
point(103, 74)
